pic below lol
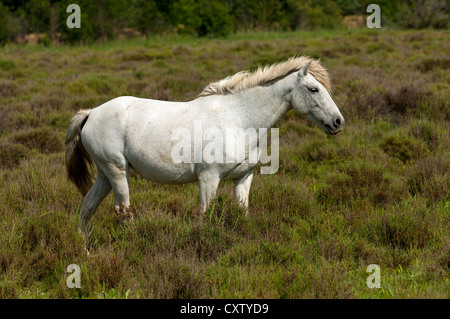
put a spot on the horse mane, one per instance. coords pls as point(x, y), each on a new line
point(246, 79)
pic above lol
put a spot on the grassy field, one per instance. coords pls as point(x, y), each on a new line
point(378, 193)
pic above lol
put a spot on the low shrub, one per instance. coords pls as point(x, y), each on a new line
point(403, 148)
point(45, 140)
point(425, 131)
point(12, 154)
point(7, 65)
point(430, 178)
point(429, 64)
point(392, 104)
point(404, 98)
point(379, 46)
point(173, 277)
point(8, 88)
point(404, 230)
point(110, 266)
point(356, 181)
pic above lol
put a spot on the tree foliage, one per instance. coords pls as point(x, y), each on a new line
point(106, 19)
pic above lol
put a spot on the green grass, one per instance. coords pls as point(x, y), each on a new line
point(378, 193)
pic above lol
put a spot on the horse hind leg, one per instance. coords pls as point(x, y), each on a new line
point(93, 198)
point(118, 176)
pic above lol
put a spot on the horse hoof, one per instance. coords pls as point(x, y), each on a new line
point(200, 218)
point(125, 218)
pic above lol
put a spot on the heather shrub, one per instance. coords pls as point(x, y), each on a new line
point(379, 46)
point(404, 230)
point(45, 140)
point(430, 178)
point(403, 148)
point(355, 181)
point(110, 267)
point(12, 154)
point(425, 131)
point(431, 63)
point(8, 89)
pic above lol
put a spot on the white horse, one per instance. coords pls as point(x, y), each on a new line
point(134, 132)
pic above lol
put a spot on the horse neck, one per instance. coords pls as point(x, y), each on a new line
point(264, 105)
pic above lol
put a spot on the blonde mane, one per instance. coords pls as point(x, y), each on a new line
point(246, 79)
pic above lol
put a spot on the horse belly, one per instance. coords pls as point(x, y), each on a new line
point(240, 170)
point(161, 169)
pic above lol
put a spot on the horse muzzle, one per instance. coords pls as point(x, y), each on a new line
point(336, 126)
point(327, 129)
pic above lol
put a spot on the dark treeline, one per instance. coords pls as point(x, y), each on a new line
point(106, 19)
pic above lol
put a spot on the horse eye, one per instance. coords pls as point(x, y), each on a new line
point(313, 90)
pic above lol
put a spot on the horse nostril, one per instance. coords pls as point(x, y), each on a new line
point(337, 122)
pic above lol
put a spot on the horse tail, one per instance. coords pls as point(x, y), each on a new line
point(78, 160)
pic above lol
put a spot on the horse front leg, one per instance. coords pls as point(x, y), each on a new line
point(242, 189)
point(208, 181)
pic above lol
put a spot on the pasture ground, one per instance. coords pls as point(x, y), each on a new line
point(378, 193)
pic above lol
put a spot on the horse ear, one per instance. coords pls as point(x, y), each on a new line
point(304, 69)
